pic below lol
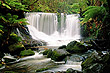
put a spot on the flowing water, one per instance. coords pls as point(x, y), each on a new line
point(32, 63)
point(44, 26)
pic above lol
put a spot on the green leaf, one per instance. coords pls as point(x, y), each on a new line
point(1, 31)
point(6, 6)
point(1, 26)
point(15, 16)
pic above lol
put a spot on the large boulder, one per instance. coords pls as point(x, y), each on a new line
point(76, 47)
point(62, 47)
point(57, 54)
point(97, 62)
point(75, 58)
point(28, 52)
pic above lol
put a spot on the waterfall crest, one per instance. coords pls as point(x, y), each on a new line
point(44, 26)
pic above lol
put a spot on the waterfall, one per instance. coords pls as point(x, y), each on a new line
point(44, 26)
point(44, 22)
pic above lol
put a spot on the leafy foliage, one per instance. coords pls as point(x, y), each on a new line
point(93, 12)
point(14, 4)
point(96, 19)
point(10, 19)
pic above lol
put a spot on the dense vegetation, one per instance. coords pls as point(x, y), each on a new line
point(94, 16)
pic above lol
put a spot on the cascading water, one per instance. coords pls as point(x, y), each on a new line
point(44, 26)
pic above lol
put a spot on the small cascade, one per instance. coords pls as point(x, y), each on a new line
point(44, 26)
point(72, 26)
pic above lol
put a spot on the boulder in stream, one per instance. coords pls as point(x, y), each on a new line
point(28, 52)
point(57, 54)
point(76, 47)
point(97, 62)
point(62, 47)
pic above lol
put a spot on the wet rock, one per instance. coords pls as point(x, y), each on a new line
point(94, 68)
point(76, 47)
point(76, 58)
point(9, 58)
point(97, 62)
point(28, 52)
point(70, 70)
point(48, 52)
point(32, 43)
point(57, 55)
point(62, 47)
point(62, 51)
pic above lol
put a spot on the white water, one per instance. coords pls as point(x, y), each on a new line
point(44, 26)
point(38, 61)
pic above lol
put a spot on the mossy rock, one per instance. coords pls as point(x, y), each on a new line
point(62, 47)
point(16, 48)
point(42, 69)
point(1, 65)
point(76, 47)
point(87, 62)
point(96, 63)
point(47, 51)
point(28, 52)
point(94, 68)
point(54, 55)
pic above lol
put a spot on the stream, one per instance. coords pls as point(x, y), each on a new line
point(30, 64)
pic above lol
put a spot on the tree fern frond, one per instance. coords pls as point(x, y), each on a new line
point(93, 11)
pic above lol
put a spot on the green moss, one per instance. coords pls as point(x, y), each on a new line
point(43, 69)
point(75, 47)
point(54, 55)
point(49, 54)
point(28, 52)
point(0, 65)
point(46, 51)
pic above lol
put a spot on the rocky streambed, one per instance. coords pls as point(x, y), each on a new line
point(32, 64)
point(73, 58)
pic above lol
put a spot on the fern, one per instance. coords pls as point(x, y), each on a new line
point(92, 12)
